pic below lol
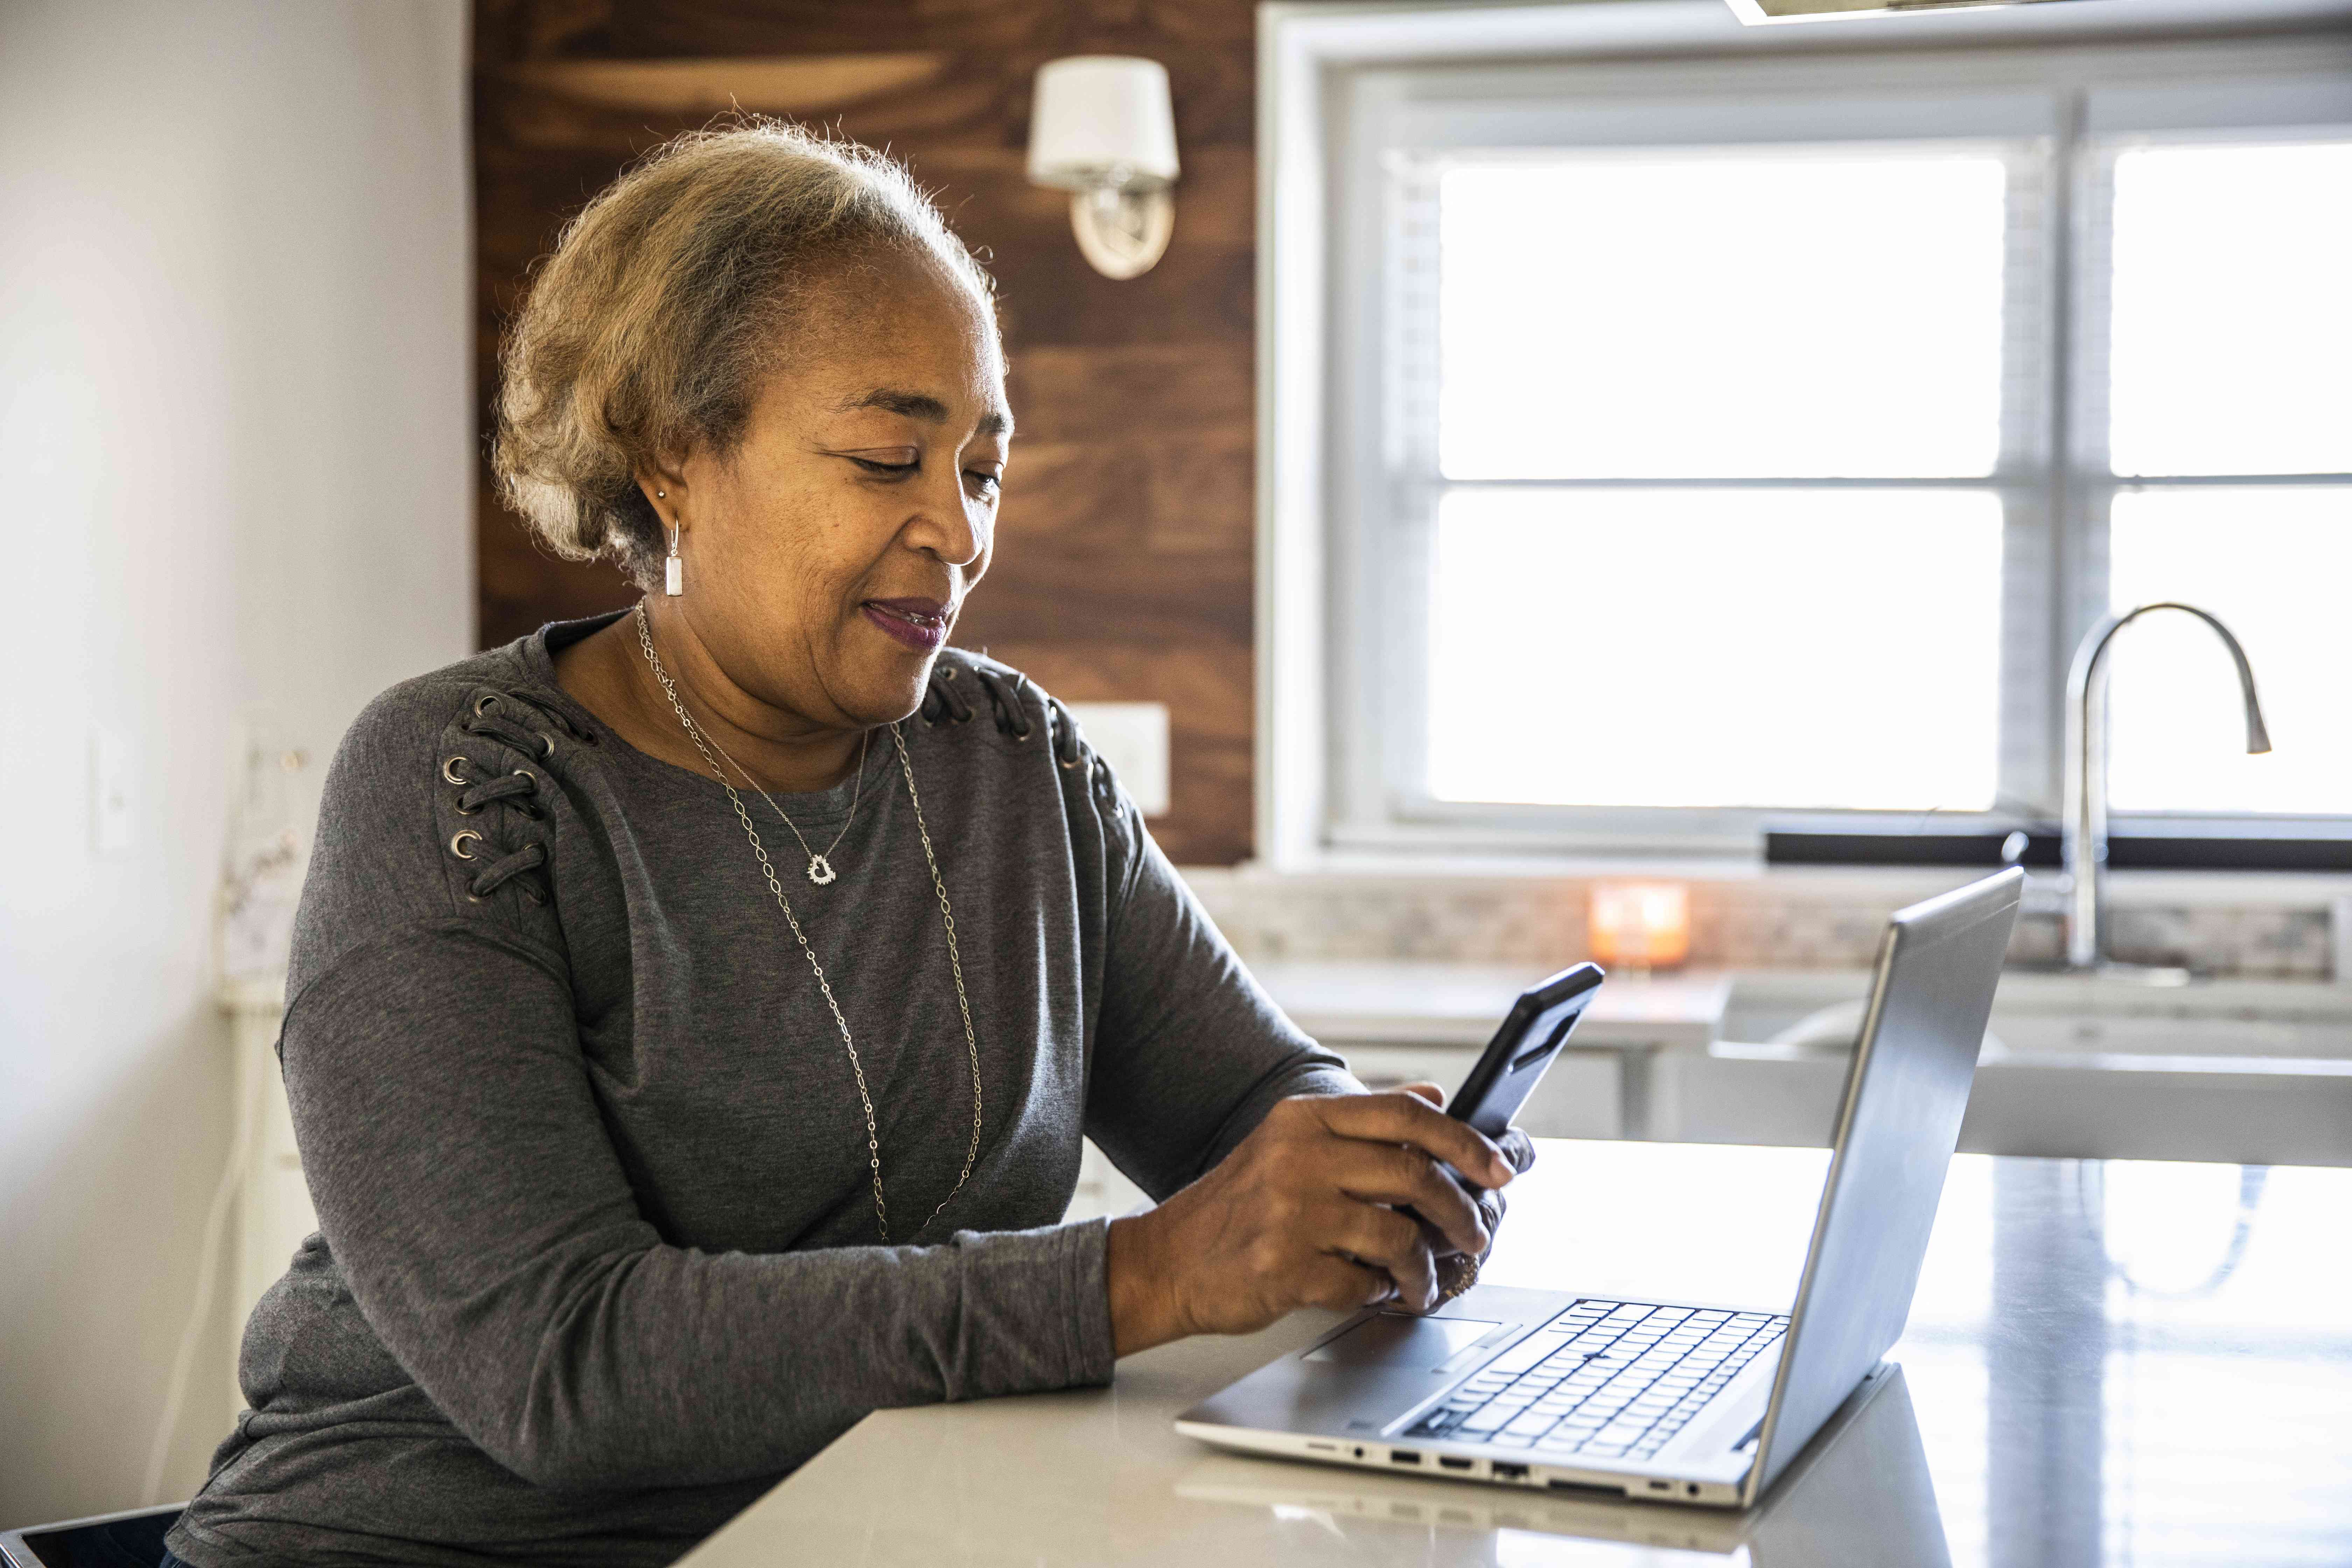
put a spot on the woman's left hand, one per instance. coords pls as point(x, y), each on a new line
point(1458, 1271)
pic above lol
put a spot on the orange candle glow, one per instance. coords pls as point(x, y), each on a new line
point(1640, 925)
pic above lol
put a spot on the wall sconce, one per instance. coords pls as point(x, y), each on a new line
point(1100, 127)
point(1639, 926)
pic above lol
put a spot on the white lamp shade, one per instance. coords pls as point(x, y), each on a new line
point(1094, 114)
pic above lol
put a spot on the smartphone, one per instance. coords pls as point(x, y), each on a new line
point(1529, 1042)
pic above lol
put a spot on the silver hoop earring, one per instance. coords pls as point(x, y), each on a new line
point(673, 569)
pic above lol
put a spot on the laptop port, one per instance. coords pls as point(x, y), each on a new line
point(1662, 1486)
point(1504, 1471)
point(1403, 1456)
point(1456, 1462)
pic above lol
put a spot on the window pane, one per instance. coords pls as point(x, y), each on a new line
point(1803, 648)
point(1779, 313)
point(2273, 564)
point(2232, 310)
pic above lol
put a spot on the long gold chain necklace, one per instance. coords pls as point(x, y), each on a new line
point(776, 887)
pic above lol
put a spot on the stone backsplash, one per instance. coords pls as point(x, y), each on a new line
point(1764, 922)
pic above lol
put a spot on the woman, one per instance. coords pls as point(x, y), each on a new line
point(695, 1012)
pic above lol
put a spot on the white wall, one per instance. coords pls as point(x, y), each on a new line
point(236, 439)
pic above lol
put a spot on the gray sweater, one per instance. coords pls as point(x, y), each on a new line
point(598, 1260)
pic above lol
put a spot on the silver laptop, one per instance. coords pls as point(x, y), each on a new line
point(1859, 1496)
point(1696, 1402)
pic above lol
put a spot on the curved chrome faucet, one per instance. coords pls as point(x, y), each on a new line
point(2084, 830)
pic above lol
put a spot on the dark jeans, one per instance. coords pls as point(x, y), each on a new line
point(125, 1543)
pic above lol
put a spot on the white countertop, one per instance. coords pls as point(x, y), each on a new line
point(2221, 1413)
point(1368, 1003)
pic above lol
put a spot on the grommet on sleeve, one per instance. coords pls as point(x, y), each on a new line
point(941, 701)
point(458, 841)
point(1069, 746)
point(1004, 704)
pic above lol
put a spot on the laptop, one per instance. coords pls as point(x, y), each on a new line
point(1693, 1402)
point(1859, 1496)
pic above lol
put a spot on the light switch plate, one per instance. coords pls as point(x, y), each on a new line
point(1132, 736)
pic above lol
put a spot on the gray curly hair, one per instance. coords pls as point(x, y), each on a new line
point(650, 328)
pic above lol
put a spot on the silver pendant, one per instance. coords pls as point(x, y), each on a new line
point(820, 869)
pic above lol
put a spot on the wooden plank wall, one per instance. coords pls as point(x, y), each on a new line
point(1124, 563)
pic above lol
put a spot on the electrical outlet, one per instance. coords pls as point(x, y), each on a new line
point(110, 792)
point(1132, 736)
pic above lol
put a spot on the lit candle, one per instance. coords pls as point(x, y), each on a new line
point(1640, 926)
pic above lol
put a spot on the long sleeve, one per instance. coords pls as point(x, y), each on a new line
point(491, 1237)
point(590, 1153)
point(1191, 1053)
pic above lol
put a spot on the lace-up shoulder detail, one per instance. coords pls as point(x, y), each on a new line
point(956, 689)
point(495, 773)
point(964, 687)
point(451, 798)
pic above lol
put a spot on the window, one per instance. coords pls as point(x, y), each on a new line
point(1710, 441)
point(2231, 353)
point(1634, 503)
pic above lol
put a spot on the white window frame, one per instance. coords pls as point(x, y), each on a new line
point(1337, 83)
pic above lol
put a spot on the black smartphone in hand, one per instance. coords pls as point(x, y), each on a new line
point(1529, 1042)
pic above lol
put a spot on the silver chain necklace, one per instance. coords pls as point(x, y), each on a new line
point(820, 862)
point(776, 887)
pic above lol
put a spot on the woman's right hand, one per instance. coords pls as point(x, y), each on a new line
point(1304, 1214)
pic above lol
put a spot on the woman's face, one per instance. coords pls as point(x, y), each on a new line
point(827, 557)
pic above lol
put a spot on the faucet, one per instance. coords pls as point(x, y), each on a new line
point(2084, 830)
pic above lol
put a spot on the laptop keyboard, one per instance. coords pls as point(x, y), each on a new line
point(1604, 1379)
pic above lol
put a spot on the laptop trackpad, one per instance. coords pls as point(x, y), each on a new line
point(1404, 1342)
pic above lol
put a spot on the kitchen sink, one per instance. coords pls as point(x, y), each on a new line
point(2244, 1071)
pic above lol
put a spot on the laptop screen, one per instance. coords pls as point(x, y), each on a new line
point(1905, 1096)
